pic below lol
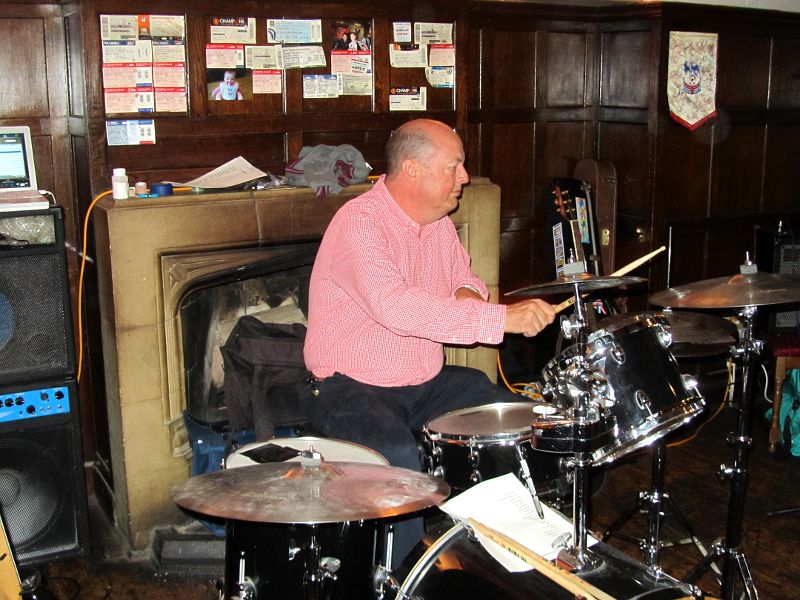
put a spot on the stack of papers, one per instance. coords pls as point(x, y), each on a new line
point(506, 506)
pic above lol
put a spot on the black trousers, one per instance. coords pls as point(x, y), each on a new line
point(385, 419)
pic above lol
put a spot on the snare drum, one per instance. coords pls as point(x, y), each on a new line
point(330, 449)
point(457, 566)
point(468, 445)
point(644, 390)
point(272, 559)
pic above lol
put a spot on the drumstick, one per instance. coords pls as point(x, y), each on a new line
point(569, 581)
point(623, 271)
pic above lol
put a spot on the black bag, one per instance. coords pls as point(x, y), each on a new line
point(266, 379)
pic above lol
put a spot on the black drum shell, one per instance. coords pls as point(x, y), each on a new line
point(265, 549)
point(455, 565)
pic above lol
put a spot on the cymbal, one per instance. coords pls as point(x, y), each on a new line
point(331, 492)
point(756, 289)
point(566, 283)
point(693, 334)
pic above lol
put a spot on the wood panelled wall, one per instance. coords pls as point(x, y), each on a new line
point(538, 88)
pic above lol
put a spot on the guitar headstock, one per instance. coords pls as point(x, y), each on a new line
point(564, 202)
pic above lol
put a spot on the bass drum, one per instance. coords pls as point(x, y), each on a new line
point(457, 566)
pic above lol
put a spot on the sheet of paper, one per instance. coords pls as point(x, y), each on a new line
point(233, 172)
point(504, 504)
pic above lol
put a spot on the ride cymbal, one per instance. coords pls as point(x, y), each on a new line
point(566, 283)
point(755, 289)
point(330, 492)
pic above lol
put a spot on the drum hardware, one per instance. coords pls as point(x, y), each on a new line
point(528, 481)
point(319, 570)
point(658, 503)
point(244, 584)
point(744, 291)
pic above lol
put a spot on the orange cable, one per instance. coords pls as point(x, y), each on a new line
point(80, 281)
point(83, 269)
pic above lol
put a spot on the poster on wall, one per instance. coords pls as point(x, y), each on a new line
point(130, 132)
point(144, 63)
point(351, 56)
point(226, 76)
point(692, 77)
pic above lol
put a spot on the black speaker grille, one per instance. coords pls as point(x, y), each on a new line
point(40, 493)
point(788, 263)
point(33, 317)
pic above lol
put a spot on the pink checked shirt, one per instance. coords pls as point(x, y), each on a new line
point(381, 300)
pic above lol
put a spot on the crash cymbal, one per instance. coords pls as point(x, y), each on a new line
point(566, 283)
point(756, 289)
point(687, 327)
point(700, 328)
point(331, 492)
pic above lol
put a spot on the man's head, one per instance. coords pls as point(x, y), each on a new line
point(425, 169)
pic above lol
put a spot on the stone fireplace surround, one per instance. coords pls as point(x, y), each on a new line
point(149, 253)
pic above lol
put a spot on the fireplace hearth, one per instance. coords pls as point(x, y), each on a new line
point(156, 259)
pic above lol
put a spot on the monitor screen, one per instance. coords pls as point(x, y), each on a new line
point(16, 159)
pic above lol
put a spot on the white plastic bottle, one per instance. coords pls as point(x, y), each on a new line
point(119, 184)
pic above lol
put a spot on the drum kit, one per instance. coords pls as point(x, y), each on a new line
point(311, 518)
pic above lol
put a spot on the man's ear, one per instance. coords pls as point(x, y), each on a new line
point(410, 168)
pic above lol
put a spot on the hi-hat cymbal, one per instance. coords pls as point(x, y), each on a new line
point(756, 289)
point(566, 283)
point(332, 492)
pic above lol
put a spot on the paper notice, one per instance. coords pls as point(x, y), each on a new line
point(233, 172)
point(505, 505)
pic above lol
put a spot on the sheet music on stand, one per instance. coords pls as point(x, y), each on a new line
point(504, 504)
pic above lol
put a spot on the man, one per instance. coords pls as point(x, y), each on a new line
point(390, 285)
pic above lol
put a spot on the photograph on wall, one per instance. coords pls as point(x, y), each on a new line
point(229, 84)
point(352, 35)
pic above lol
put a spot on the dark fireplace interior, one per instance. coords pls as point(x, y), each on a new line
point(273, 288)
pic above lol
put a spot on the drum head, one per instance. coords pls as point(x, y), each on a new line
point(498, 421)
point(331, 450)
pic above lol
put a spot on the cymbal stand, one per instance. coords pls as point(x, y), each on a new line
point(729, 548)
point(659, 503)
point(576, 556)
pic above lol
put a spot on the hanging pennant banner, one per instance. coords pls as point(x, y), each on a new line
point(692, 77)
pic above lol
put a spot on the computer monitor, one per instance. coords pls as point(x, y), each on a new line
point(17, 171)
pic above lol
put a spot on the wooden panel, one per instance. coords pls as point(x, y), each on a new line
point(75, 71)
point(782, 168)
point(565, 143)
point(565, 74)
point(512, 167)
point(785, 73)
point(627, 69)
point(626, 145)
point(682, 177)
point(736, 177)
point(24, 91)
point(515, 261)
point(743, 58)
point(511, 67)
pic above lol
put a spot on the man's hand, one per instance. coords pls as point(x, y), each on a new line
point(529, 317)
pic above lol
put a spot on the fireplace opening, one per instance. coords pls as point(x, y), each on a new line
point(268, 283)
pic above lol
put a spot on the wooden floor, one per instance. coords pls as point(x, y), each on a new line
point(769, 543)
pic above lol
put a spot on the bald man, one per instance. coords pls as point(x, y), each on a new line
point(392, 284)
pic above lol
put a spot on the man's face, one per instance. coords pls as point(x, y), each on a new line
point(443, 175)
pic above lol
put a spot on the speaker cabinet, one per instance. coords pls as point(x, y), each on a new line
point(779, 252)
point(35, 328)
point(42, 486)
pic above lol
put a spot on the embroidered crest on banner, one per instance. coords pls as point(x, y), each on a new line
point(692, 77)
